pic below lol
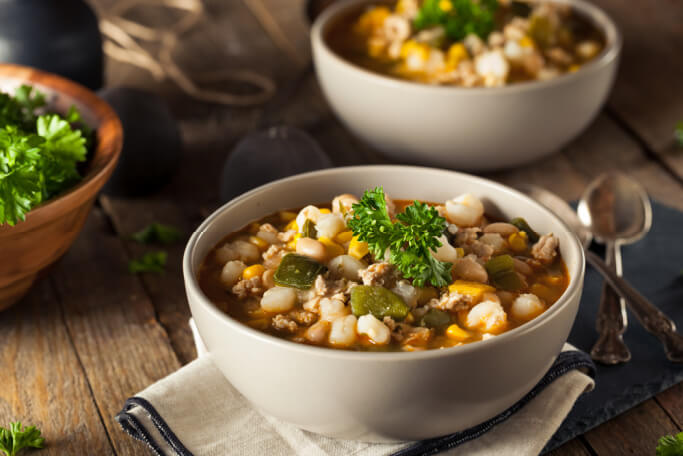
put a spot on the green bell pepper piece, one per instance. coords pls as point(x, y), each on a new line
point(297, 271)
point(435, 318)
point(378, 301)
point(501, 270)
point(522, 225)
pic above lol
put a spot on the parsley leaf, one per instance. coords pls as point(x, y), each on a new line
point(14, 439)
point(459, 18)
point(670, 445)
point(410, 240)
point(38, 154)
point(149, 262)
point(157, 232)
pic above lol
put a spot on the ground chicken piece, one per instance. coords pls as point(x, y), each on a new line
point(382, 274)
point(273, 256)
point(451, 301)
point(545, 250)
point(466, 236)
point(286, 236)
point(282, 323)
point(482, 250)
point(418, 337)
point(303, 317)
point(320, 286)
point(268, 228)
point(312, 305)
point(391, 324)
point(248, 287)
point(343, 297)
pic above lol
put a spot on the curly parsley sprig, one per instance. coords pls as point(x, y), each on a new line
point(459, 18)
point(15, 439)
point(670, 445)
point(39, 153)
point(410, 240)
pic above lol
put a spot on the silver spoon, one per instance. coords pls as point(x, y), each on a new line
point(618, 212)
point(647, 313)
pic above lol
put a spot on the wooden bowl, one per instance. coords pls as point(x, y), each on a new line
point(50, 229)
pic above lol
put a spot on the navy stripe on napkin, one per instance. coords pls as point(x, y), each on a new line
point(565, 362)
point(134, 428)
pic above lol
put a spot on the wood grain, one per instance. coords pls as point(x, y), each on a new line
point(42, 382)
point(122, 347)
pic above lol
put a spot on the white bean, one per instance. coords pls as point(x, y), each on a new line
point(487, 316)
point(468, 269)
point(267, 278)
point(329, 225)
point(231, 272)
point(309, 212)
point(318, 332)
point(446, 252)
point(526, 307)
point(343, 332)
point(377, 331)
point(311, 248)
point(343, 204)
point(248, 252)
point(465, 210)
point(406, 291)
point(331, 309)
point(278, 299)
point(502, 228)
point(346, 266)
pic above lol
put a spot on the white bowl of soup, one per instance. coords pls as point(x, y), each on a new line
point(467, 103)
point(431, 376)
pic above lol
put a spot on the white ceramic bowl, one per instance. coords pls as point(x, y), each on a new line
point(381, 396)
point(472, 129)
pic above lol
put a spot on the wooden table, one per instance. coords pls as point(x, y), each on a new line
point(89, 335)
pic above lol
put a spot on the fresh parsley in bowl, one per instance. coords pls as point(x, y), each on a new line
point(59, 143)
point(39, 152)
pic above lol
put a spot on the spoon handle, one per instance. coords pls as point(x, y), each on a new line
point(652, 319)
point(611, 321)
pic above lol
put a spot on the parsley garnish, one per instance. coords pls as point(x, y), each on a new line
point(670, 445)
point(459, 18)
point(157, 233)
point(14, 439)
point(149, 262)
point(38, 153)
point(410, 240)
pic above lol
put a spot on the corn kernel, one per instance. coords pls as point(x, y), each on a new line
point(552, 280)
point(258, 242)
point(445, 5)
point(547, 294)
point(292, 225)
point(411, 47)
point(253, 227)
point(473, 289)
point(460, 251)
point(333, 249)
point(371, 20)
point(409, 318)
point(260, 323)
point(573, 68)
point(325, 210)
point(291, 245)
point(456, 54)
point(358, 249)
point(253, 271)
point(518, 241)
point(526, 42)
point(344, 236)
point(455, 332)
point(287, 216)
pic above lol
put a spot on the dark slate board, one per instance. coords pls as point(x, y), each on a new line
point(654, 266)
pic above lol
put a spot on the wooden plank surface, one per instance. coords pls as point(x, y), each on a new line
point(42, 380)
point(107, 334)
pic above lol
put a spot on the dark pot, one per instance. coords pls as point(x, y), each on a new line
point(59, 36)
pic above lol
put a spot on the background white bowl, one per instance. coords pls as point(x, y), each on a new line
point(381, 396)
point(472, 129)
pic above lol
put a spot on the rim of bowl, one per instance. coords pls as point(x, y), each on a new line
point(109, 134)
point(610, 53)
point(190, 276)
